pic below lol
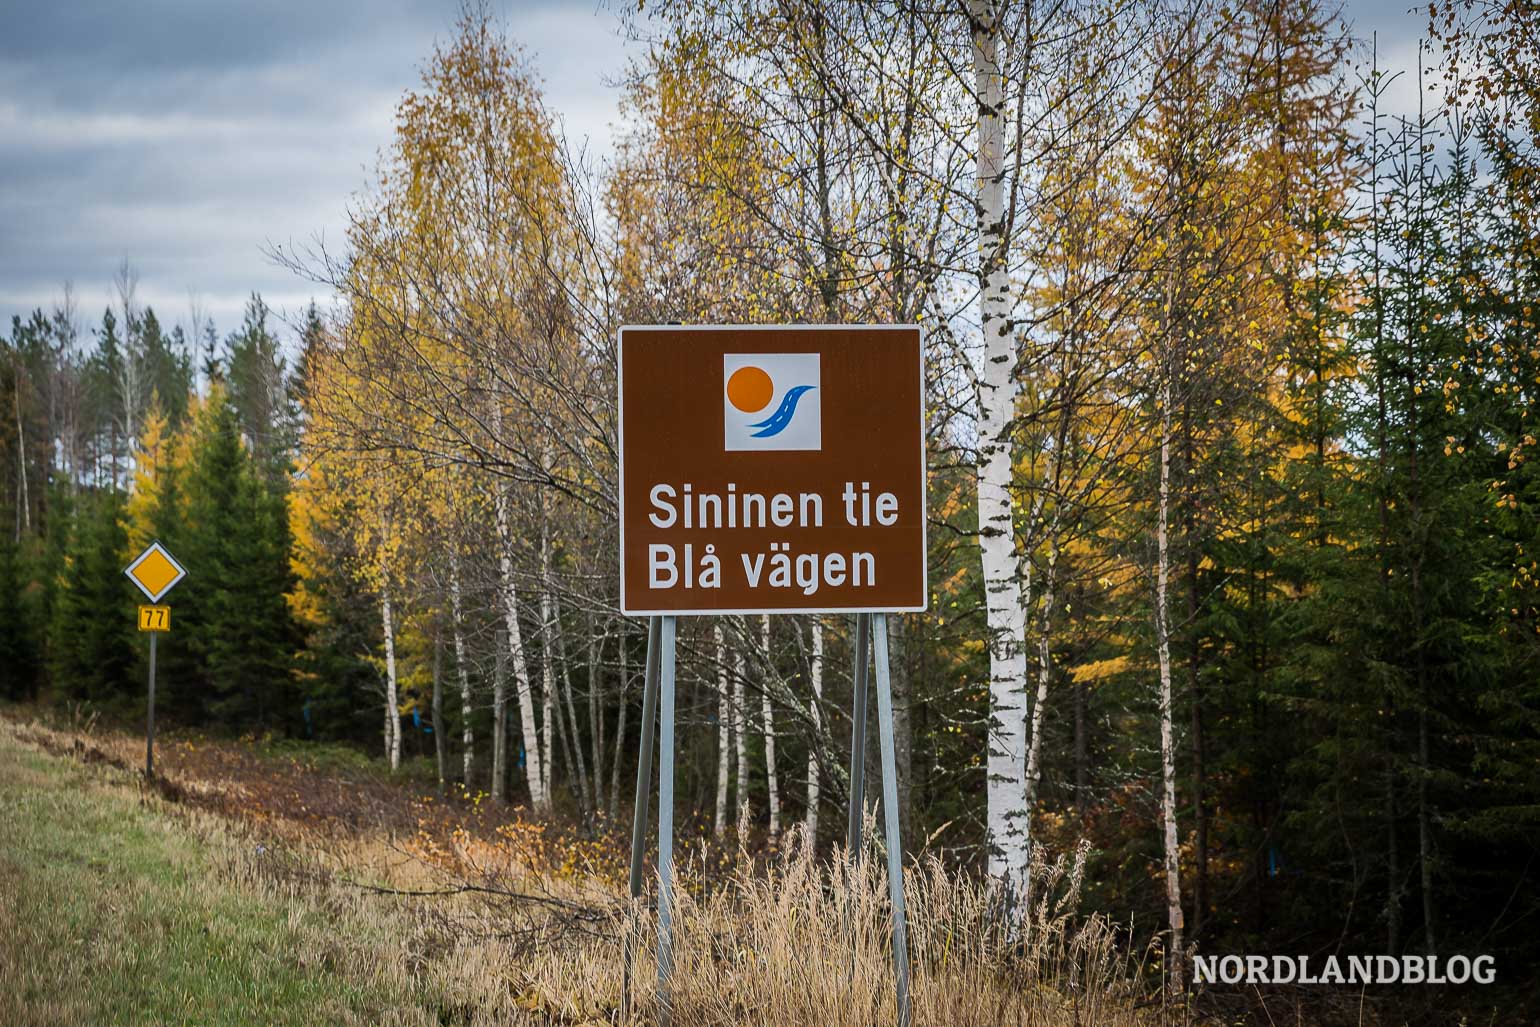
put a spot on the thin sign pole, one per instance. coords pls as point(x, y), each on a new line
point(643, 781)
point(644, 758)
point(890, 819)
point(666, 824)
point(858, 735)
point(149, 727)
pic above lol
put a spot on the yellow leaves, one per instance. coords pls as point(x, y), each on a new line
point(1099, 670)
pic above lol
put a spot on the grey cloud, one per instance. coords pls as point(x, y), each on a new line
point(187, 135)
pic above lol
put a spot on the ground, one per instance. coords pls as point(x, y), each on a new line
point(111, 912)
point(259, 882)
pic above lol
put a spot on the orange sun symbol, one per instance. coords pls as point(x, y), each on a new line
point(749, 389)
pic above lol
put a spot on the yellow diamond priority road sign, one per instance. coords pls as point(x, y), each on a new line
point(155, 571)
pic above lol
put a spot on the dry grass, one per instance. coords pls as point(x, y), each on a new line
point(447, 924)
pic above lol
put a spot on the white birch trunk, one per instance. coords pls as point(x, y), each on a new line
point(740, 741)
point(499, 716)
point(1167, 745)
point(595, 717)
point(457, 616)
point(25, 521)
point(1044, 673)
point(534, 773)
point(724, 729)
point(585, 788)
point(998, 393)
point(392, 702)
point(547, 677)
point(547, 724)
point(816, 672)
point(620, 722)
point(772, 783)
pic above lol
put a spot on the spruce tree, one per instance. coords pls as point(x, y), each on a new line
point(93, 626)
point(236, 543)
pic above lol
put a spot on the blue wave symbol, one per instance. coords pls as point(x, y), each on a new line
point(777, 422)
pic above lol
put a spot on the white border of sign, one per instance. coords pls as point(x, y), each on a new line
point(155, 546)
point(620, 414)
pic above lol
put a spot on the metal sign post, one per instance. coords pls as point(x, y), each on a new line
point(890, 821)
point(666, 821)
point(659, 678)
point(865, 623)
point(155, 572)
point(640, 807)
point(149, 715)
point(863, 655)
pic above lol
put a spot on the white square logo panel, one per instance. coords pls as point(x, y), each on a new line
point(771, 401)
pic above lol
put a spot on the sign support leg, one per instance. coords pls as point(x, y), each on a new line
point(858, 702)
point(149, 723)
point(666, 825)
point(891, 821)
point(643, 786)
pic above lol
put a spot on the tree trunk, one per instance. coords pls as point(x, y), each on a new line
point(534, 772)
point(392, 702)
point(740, 741)
point(462, 671)
point(560, 719)
point(1081, 746)
point(500, 656)
point(620, 723)
point(23, 503)
point(998, 392)
point(772, 783)
point(440, 746)
point(724, 729)
point(1194, 685)
point(1044, 674)
point(556, 706)
point(585, 783)
point(1392, 865)
point(1167, 743)
point(815, 675)
point(595, 717)
point(1425, 833)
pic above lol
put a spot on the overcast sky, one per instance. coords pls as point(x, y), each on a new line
point(185, 136)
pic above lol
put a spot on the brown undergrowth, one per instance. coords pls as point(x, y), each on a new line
point(486, 917)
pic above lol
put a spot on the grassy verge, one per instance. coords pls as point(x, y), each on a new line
point(112, 912)
point(257, 887)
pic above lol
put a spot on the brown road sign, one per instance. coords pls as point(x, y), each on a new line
point(771, 469)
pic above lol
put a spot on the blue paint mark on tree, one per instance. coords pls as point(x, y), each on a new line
point(777, 422)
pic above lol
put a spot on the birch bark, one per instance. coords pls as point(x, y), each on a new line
point(534, 773)
point(998, 392)
point(392, 703)
point(740, 742)
point(440, 753)
point(1044, 673)
point(462, 671)
point(1163, 640)
point(724, 729)
point(815, 673)
point(620, 723)
point(768, 712)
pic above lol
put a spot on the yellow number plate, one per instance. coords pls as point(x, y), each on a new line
point(154, 618)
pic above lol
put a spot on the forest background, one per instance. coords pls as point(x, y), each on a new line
point(1231, 398)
